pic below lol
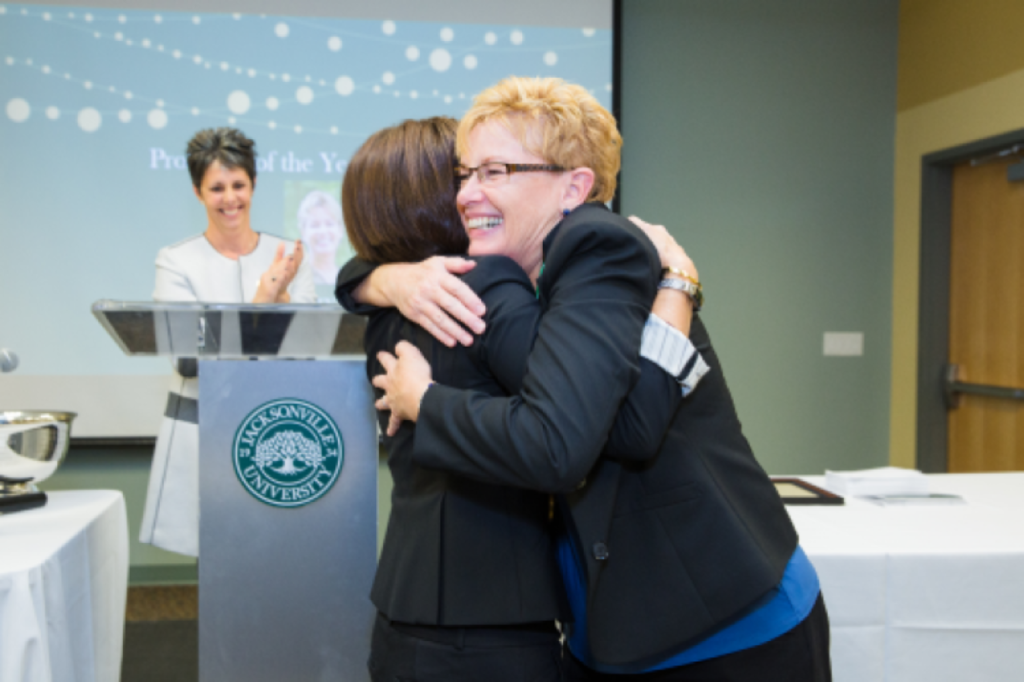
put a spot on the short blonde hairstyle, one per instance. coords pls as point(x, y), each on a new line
point(557, 121)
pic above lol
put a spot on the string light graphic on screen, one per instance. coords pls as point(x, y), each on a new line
point(250, 105)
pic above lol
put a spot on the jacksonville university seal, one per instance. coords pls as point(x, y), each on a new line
point(288, 452)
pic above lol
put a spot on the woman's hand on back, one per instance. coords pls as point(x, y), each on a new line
point(429, 294)
point(407, 380)
point(671, 254)
point(673, 307)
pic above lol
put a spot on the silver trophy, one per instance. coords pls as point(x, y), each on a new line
point(33, 444)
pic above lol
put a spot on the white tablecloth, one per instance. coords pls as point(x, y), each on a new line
point(924, 593)
point(63, 586)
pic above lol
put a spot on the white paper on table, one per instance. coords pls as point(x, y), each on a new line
point(880, 481)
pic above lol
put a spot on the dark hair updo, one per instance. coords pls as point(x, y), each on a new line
point(398, 195)
point(230, 146)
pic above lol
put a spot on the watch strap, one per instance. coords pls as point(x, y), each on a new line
point(694, 291)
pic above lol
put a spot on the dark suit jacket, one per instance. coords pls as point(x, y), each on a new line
point(675, 548)
point(457, 551)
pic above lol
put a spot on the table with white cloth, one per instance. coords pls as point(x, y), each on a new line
point(63, 586)
point(923, 592)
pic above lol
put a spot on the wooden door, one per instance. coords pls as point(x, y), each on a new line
point(987, 317)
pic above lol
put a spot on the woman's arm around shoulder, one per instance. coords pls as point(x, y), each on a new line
point(428, 293)
point(512, 317)
point(596, 288)
point(350, 277)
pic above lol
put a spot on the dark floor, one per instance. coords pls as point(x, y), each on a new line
point(161, 637)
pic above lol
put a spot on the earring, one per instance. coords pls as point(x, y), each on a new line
point(565, 212)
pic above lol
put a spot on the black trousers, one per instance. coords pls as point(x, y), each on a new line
point(404, 653)
point(800, 655)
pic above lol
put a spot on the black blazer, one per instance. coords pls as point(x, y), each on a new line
point(675, 548)
point(458, 551)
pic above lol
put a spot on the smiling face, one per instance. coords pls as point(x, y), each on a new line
point(321, 230)
point(513, 216)
point(226, 193)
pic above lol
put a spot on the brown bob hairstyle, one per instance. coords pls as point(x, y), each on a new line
point(398, 195)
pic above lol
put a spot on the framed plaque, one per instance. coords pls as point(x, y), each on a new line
point(797, 491)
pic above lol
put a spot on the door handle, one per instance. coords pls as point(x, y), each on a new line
point(952, 387)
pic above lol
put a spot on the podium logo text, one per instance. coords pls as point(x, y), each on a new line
point(288, 452)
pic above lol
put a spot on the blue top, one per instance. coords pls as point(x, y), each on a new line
point(792, 600)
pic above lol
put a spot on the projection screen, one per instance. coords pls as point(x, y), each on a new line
point(99, 100)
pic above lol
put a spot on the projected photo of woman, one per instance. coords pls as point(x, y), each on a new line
point(322, 232)
point(227, 263)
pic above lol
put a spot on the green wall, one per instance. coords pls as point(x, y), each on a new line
point(762, 134)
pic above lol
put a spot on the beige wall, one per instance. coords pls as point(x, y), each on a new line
point(961, 79)
point(947, 46)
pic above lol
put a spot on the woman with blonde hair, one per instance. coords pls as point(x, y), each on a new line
point(467, 585)
point(682, 568)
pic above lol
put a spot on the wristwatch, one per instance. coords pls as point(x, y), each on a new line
point(691, 289)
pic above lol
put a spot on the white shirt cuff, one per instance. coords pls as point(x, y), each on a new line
point(670, 349)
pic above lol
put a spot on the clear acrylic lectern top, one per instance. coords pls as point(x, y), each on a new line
point(229, 330)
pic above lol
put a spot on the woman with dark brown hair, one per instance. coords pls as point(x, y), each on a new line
point(467, 587)
point(446, 578)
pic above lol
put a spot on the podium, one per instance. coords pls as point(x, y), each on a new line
point(287, 482)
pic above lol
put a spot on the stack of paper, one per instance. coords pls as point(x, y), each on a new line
point(931, 499)
point(882, 481)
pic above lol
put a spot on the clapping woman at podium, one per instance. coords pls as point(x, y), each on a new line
point(227, 263)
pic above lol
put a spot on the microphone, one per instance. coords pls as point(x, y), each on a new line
point(8, 360)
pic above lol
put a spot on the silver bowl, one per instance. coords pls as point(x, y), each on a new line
point(33, 444)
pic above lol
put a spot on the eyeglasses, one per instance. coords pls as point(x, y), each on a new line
point(496, 173)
